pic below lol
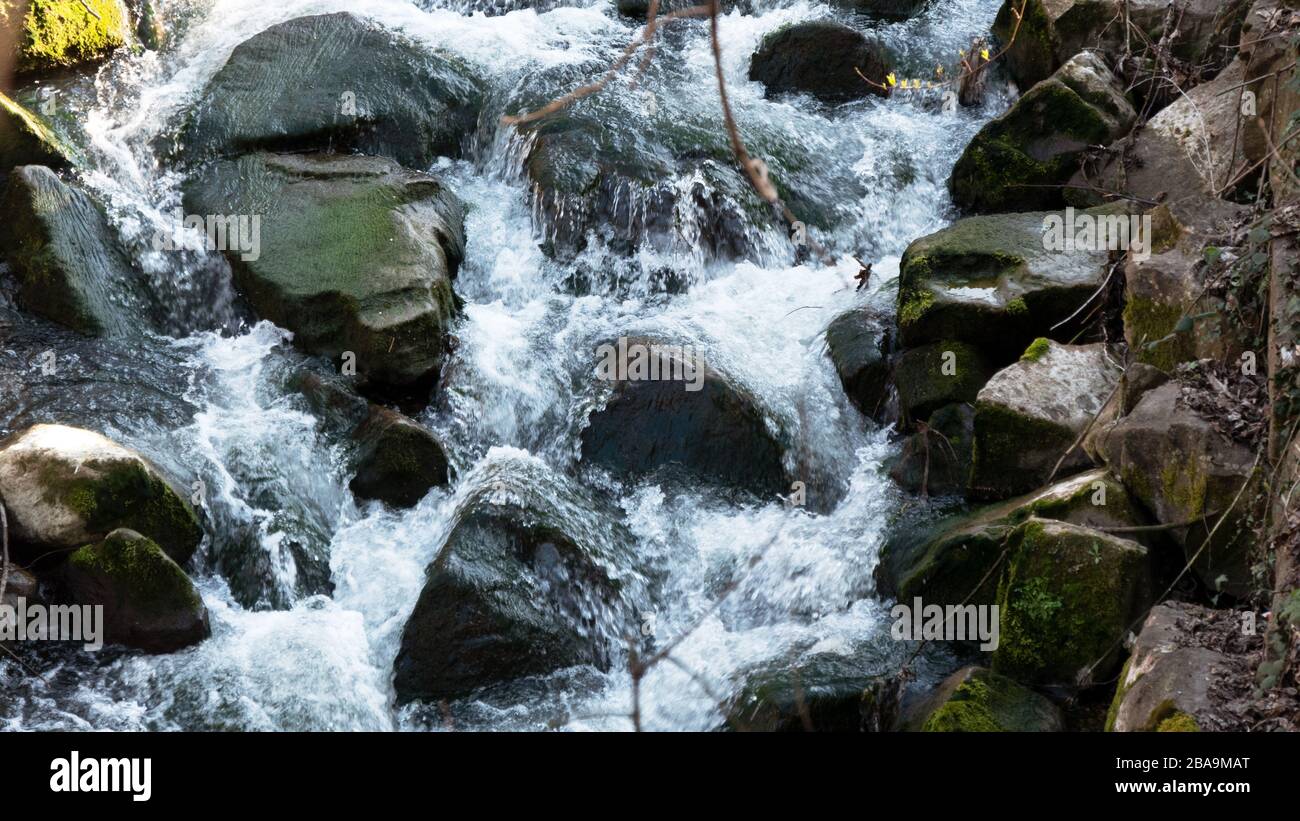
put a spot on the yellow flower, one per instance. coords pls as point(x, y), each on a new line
point(891, 79)
point(985, 54)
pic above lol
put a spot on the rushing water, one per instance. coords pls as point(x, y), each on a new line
point(208, 402)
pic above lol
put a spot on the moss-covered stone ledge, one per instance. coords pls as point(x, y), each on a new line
point(64, 33)
point(977, 700)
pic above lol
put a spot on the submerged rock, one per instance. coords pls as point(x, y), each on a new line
point(25, 139)
point(65, 487)
point(149, 603)
point(56, 34)
point(399, 459)
point(707, 425)
point(1019, 161)
point(820, 58)
point(856, 342)
point(1066, 599)
point(977, 700)
point(1030, 414)
point(1184, 470)
point(526, 584)
point(370, 91)
point(991, 282)
point(70, 267)
point(357, 256)
point(954, 559)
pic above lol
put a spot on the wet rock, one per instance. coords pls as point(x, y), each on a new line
point(1168, 682)
point(884, 9)
point(822, 693)
point(715, 432)
point(1029, 415)
point(989, 281)
point(1163, 288)
point(70, 267)
point(1066, 600)
point(399, 459)
point(1184, 470)
point(65, 487)
point(819, 58)
point(58, 34)
point(22, 588)
point(25, 138)
point(856, 342)
point(938, 374)
point(371, 92)
point(149, 603)
point(1019, 161)
point(526, 584)
point(356, 256)
point(936, 461)
point(948, 561)
point(640, 9)
point(977, 700)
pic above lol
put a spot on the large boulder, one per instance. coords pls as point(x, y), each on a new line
point(990, 281)
point(820, 58)
point(149, 603)
point(57, 34)
point(1066, 599)
point(976, 700)
point(358, 255)
point(822, 693)
point(69, 265)
point(1053, 31)
point(1136, 382)
point(371, 91)
point(1030, 414)
point(1188, 473)
point(66, 487)
point(857, 343)
point(706, 425)
point(1178, 672)
point(531, 579)
point(1019, 161)
point(936, 459)
point(884, 9)
point(26, 139)
point(941, 373)
point(946, 562)
point(399, 459)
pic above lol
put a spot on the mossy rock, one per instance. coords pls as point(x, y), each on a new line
point(990, 281)
point(64, 33)
point(936, 461)
point(1019, 161)
point(956, 557)
point(149, 603)
point(70, 267)
point(399, 460)
point(26, 139)
point(1066, 599)
point(1184, 470)
point(938, 374)
point(372, 92)
point(66, 487)
point(1030, 414)
point(358, 255)
point(856, 342)
point(821, 58)
point(977, 700)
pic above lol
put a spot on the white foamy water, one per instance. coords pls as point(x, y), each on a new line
point(515, 394)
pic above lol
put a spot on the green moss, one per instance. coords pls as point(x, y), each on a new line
point(1148, 326)
point(1036, 350)
point(913, 305)
point(138, 572)
point(65, 33)
point(1001, 436)
point(1120, 691)
point(968, 711)
point(1017, 307)
point(1179, 722)
point(985, 702)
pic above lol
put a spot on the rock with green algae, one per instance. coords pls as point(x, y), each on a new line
point(59, 34)
point(856, 342)
point(931, 376)
point(149, 603)
point(1019, 161)
point(978, 700)
point(26, 139)
point(70, 267)
point(1066, 599)
point(65, 487)
point(357, 255)
point(990, 281)
point(1185, 471)
point(371, 92)
point(1030, 414)
point(399, 460)
point(959, 556)
point(1169, 682)
point(936, 460)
